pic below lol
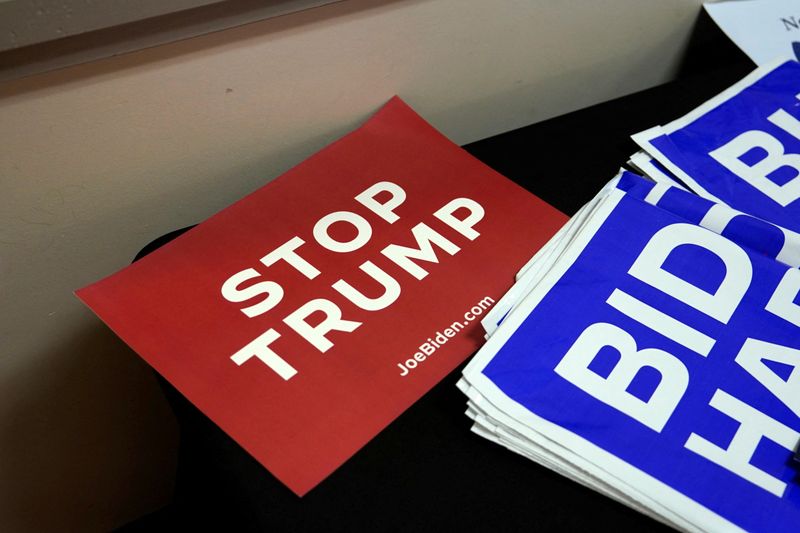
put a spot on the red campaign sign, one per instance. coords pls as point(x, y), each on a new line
point(308, 315)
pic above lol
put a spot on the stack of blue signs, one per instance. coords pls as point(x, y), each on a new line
point(742, 147)
point(651, 350)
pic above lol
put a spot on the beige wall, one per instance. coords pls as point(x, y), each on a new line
point(97, 160)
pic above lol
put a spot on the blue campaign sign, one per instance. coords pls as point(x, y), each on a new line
point(742, 147)
point(675, 350)
point(758, 235)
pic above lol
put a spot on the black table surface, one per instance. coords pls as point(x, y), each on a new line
point(427, 470)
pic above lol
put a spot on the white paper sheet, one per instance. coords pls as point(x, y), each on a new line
point(763, 29)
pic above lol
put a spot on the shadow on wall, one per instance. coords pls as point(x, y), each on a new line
point(50, 480)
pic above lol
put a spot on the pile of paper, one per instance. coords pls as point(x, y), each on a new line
point(651, 349)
